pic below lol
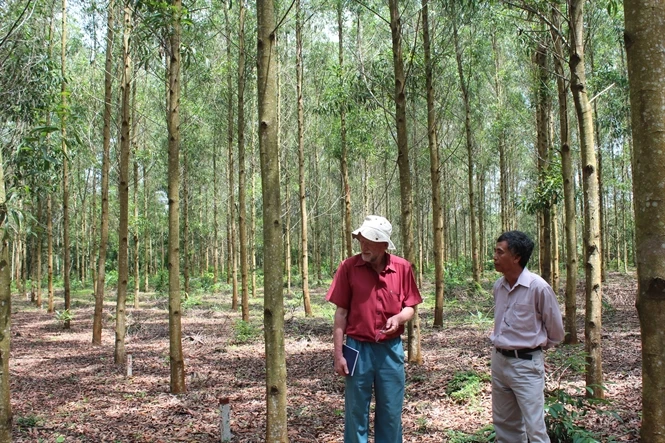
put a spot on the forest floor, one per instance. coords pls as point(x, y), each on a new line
point(64, 389)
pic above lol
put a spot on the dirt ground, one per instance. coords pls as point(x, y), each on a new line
point(66, 389)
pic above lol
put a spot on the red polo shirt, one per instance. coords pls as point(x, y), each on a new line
point(373, 298)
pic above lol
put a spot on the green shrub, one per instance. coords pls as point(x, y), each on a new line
point(245, 331)
point(563, 410)
point(466, 385)
point(483, 435)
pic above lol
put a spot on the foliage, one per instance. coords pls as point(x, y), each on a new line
point(466, 385)
point(244, 331)
point(63, 317)
point(483, 435)
point(563, 410)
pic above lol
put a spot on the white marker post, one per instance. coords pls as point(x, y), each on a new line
point(225, 427)
point(129, 365)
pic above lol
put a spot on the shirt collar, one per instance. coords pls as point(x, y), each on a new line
point(525, 279)
point(389, 263)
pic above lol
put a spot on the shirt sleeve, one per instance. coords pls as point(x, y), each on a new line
point(339, 292)
point(551, 317)
point(413, 297)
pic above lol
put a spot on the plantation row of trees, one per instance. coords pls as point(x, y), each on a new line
point(241, 143)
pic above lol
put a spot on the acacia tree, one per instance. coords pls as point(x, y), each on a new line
point(435, 175)
point(568, 182)
point(646, 72)
point(304, 257)
point(592, 253)
point(242, 176)
point(120, 355)
point(276, 424)
point(65, 169)
point(5, 316)
point(344, 164)
point(406, 218)
point(176, 359)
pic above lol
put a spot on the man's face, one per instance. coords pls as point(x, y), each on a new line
point(504, 259)
point(371, 251)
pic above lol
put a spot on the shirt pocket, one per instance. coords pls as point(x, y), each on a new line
point(522, 317)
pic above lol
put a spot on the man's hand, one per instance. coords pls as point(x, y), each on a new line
point(391, 325)
point(340, 366)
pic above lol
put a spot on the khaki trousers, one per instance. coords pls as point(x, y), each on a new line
point(518, 399)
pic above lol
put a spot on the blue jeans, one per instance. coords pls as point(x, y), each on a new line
point(381, 367)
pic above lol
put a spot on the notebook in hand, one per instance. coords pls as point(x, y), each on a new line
point(351, 356)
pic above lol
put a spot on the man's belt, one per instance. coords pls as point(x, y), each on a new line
point(524, 354)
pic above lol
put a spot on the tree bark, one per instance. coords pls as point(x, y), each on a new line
point(570, 214)
point(176, 359)
point(346, 187)
point(120, 355)
point(301, 167)
point(276, 422)
point(5, 316)
point(242, 176)
point(470, 154)
point(66, 253)
point(645, 27)
point(435, 175)
point(592, 253)
point(406, 198)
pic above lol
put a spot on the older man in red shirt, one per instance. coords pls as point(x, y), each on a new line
point(375, 293)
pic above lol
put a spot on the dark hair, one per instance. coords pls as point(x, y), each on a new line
point(519, 244)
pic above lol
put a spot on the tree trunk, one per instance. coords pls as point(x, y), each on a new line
point(49, 253)
point(592, 254)
point(543, 153)
point(276, 422)
point(646, 73)
point(344, 156)
point(65, 169)
point(570, 214)
point(470, 155)
point(176, 359)
point(106, 146)
point(120, 355)
point(232, 259)
point(406, 198)
point(135, 191)
point(435, 176)
point(185, 221)
point(5, 316)
point(242, 179)
point(301, 167)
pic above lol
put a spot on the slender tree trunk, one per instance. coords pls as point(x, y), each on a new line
point(146, 232)
point(176, 358)
point(5, 316)
point(646, 72)
point(49, 253)
point(543, 151)
point(106, 146)
point(233, 263)
point(435, 176)
point(135, 191)
point(120, 355)
point(414, 350)
point(276, 419)
point(344, 156)
point(592, 256)
point(470, 156)
point(570, 215)
point(304, 258)
point(242, 176)
point(65, 169)
point(185, 222)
